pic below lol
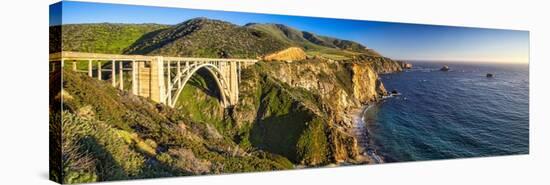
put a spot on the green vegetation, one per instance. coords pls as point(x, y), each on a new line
point(111, 135)
point(280, 113)
point(202, 37)
point(279, 109)
point(100, 38)
point(315, 45)
point(284, 122)
point(200, 101)
point(313, 146)
point(199, 37)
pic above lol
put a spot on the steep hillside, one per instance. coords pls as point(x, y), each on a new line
point(109, 134)
point(310, 102)
point(98, 38)
point(201, 37)
point(281, 32)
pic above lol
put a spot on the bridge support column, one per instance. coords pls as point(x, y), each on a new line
point(134, 78)
point(90, 67)
point(169, 84)
point(178, 74)
point(239, 72)
point(99, 70)
point(157, 88)
point(233, 83)
point(120, 75)
point(113, 73)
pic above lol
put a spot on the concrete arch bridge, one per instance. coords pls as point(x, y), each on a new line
point(157, 77)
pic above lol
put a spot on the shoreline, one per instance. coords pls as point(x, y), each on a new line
point(362, 135)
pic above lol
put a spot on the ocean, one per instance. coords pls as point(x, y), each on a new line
point(455, 114)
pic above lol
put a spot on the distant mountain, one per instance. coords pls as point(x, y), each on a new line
point(312, 42)
point(201, 37)
point(98, 38)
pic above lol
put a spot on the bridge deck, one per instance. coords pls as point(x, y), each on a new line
point(69, 55)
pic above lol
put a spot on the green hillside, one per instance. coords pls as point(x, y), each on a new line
point(201, 37)
point(108, 134)
point(283, 33)
point(100, 38)
point(314, 44)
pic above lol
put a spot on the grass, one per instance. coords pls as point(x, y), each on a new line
point(200, 101)
point(280, 108)
point(86, 141)
point(313, 146)
point(201, 37)
point(115, 136)
point(102, 37)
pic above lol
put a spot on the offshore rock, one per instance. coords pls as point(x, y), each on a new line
point(445, 68)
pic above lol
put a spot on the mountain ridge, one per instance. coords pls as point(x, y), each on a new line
point(202, 37)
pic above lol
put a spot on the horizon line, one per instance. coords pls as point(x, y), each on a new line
point(466, 61)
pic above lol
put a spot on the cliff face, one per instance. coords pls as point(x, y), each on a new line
point(302, 110)
point(340, 85)
point(381, 65)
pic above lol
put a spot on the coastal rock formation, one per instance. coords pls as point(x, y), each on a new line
point(320, 95)
point(381, 65)
point(289, 54)
point(394, 92)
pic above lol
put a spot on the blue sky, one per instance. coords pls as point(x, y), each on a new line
point(394, 40)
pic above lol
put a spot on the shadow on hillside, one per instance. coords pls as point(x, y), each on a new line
point(107, 168)
point(278, 131)
point(142, 51)
point(203, 80)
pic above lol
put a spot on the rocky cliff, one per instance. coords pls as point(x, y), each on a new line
point(381, 65)
point(302, 110)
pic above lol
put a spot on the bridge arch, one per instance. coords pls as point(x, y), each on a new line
point(214, 72)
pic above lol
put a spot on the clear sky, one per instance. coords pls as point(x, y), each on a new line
point(394, 40)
